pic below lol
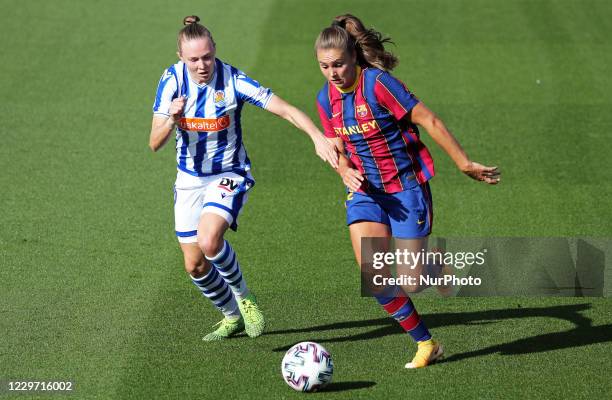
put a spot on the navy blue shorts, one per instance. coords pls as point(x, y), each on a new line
point(409, 214)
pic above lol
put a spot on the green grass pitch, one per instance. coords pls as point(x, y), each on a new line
point(92, 287)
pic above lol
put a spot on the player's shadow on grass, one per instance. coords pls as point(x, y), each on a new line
point(581, 335)
point(342, 386)
point(387, 326)
point(578, 336)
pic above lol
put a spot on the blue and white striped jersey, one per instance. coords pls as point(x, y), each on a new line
point(209, 135)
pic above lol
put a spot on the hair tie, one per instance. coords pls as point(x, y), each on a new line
point(192, 19)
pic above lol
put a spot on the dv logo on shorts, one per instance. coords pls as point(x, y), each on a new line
point(229, 185)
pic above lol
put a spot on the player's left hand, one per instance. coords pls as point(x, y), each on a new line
point(490, 175)
point(326, 150)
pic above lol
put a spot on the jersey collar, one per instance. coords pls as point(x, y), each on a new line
point(354, 85)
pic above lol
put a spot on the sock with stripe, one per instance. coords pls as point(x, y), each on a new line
point(214, 287)
point(400, 307)
point(227, 264)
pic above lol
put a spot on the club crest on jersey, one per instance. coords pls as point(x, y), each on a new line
point(219, 98)
point(362, 110)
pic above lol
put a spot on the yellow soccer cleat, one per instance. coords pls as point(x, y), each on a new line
point(254, 320)
point(227, 327)
point(429, 352)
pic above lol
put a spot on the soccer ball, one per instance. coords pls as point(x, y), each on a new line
point(307, 367)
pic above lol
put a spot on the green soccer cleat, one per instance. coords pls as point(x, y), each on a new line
point(227, 327)
point(253, 318)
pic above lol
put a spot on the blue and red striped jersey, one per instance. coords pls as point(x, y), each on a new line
point(382, 144)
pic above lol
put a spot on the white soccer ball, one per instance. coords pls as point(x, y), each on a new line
point(307, 367)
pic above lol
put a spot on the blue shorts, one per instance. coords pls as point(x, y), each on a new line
point(409, 214)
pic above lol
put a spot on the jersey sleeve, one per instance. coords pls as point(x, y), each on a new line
point(394, 96)
point(328, 130)
point(166, 91)
point(251, 91)
point(325, 114)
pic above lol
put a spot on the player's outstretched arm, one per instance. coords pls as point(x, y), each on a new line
point(424, 117)
point(324, 149)
point(162, 126)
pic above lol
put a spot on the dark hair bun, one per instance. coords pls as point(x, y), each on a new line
point(191, 19)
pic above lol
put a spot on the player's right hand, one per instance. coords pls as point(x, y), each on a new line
point(490, 175)
point(176, 107)
point(352, 179)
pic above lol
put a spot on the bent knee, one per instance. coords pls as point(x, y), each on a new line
point(191, 266)
point(210, 244)
point(197, 269)
point(195, 264)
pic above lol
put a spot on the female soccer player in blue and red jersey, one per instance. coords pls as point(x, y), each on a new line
point(372, 119)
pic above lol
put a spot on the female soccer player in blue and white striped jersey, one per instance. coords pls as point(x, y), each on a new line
point(201, 98)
